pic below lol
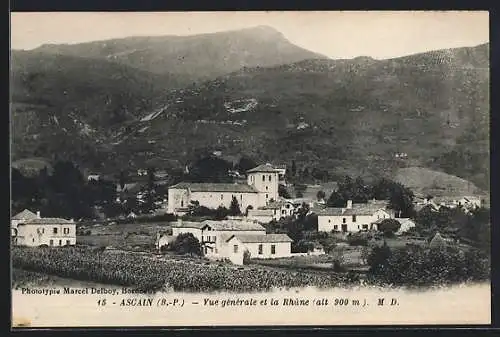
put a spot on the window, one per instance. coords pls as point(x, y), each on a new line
point(182, 203)
point(267, 196)
point(33, 240)
point(263, 178)
point(51, 242)
point(270, 177)
point(365, 226)
point(273, 249)
point(68, 242)
point(241, 197)
point(353, 218)
point(55, 230)
point(60, 242)
point(235, 249)
point(335, 227)
point(329, 221)
point(267, 188)
point(260, 249)
point(222, 197)
point(343, 220)
point(66, 230)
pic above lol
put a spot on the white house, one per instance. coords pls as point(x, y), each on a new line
point(264, 246)
point(46, 231)
point(261, 188)
point(216, 238)
point(353, 218)
point(21, 217)
point(406, 225)
point(274, 210)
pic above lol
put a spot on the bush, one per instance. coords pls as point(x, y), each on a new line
point(389, 227)
point(357, 240)
point(422, 266)
point(246, 257)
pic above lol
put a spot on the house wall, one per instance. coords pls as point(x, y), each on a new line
point(327, 223)
point(36, 235)
point(266, 183)
point(177, 198)
point(181, 198)
point(216, 199)
point(282, 249)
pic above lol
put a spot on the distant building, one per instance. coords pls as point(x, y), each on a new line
point(93, 177)
point(45, 231)
point(262, 215)
point(261, 187)
point(353, 217)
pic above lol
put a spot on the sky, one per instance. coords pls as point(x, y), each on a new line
point(338, 34)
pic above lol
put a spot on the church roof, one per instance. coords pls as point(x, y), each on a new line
point(262, 238)
point(263, 168)
point(215, 187)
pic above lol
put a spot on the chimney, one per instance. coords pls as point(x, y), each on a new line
point(38, 215)
point(349, 204)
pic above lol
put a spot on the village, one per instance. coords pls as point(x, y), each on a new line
point(250, 220)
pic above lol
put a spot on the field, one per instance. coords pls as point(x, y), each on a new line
point(149, 272)
point(122, 235)
point(426, 181)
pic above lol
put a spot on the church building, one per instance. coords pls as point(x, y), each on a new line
point(260, 189)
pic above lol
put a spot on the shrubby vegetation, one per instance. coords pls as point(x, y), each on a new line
point(147, 273)
point(424, 266)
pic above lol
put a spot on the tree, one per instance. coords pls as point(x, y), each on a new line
point(378, 259)
point(283, 192)
point(246, 257)
point(210, 169)
point(389, 226)
point(335, 200)
point(121, 180)
point(186, 243)
point(234, 208)
point(320, 195)
point(245, 164)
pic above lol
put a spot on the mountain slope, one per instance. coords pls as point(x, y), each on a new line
point(59, 100)
point(350, 116)
point(196, 57)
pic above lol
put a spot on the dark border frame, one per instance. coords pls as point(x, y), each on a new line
point(242, 5)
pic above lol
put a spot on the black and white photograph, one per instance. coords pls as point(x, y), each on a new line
point(303, 168)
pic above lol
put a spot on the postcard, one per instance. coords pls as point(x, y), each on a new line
point(193, 169)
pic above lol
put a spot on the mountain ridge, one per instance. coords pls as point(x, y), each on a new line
point(350, 116)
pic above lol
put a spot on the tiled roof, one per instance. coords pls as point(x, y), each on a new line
point(25, 215)
point(357, 209)
point(215, 187)
point(48, 221)
point(189, 224)
point(264, 238)
point(331, 211)
point(260, 212)
point(263, 168)
point(233, 225)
